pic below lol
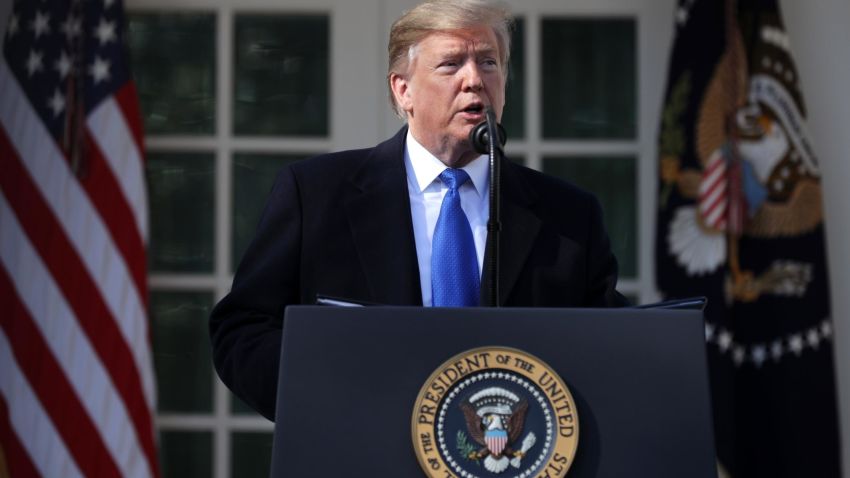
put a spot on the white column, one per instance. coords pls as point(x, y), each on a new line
point(819, 41)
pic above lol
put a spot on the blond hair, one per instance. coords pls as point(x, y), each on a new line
point(442, 15)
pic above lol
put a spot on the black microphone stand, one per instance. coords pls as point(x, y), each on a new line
point(480, 139)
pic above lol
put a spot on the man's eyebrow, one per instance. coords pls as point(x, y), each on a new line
point(488, 51)
point(483, 50)
point(449, 52)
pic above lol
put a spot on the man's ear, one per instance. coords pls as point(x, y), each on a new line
point(401, 91)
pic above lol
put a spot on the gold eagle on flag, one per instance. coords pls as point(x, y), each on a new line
point(759, 176)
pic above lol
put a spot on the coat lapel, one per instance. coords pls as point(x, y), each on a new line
point(378, 209)
point(520, 227)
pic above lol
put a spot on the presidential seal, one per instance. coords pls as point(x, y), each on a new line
point(495, 412)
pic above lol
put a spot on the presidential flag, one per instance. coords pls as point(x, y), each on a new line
point(740, 221)
point(77, 389)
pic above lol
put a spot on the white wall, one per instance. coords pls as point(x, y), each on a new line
point(820, 42)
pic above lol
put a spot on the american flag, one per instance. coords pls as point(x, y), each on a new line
point(77, 390)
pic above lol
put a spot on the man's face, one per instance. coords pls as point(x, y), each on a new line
point(454, 74)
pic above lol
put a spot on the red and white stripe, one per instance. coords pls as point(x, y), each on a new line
point(713, 198)
point(496, 444)
point(77, 378)
point(45, 452)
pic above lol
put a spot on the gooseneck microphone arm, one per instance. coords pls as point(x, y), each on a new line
point(480, 139)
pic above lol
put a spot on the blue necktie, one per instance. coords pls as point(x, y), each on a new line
point(455, 279)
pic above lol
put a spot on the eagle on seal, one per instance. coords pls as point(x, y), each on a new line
point(495, 429)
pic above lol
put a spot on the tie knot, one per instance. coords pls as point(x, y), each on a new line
point(454, 178)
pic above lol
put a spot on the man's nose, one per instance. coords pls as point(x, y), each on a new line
point(473, 80)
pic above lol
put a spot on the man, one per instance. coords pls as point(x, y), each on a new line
point(360, 224)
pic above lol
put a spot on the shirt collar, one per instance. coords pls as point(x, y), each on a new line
point(423, 167)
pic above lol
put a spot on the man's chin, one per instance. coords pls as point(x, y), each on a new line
point(462, 135)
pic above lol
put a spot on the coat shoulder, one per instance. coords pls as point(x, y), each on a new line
point(329, 165)
point(330, 168)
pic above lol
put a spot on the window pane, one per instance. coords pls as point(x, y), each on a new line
point(252, 454)
point(180, 189)
point(281, 75)
point(186, 454)
point(613, 180)
point(513, 117)
point(181, 348)
point(253, 177)
point(589, 82)
point(173, 61)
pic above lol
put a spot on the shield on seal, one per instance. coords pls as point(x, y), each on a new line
point(496, 441)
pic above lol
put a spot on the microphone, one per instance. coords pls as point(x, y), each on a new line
point(480, 135)
point(480, 139)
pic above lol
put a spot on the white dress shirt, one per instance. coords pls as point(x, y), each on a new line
point(426, 198)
